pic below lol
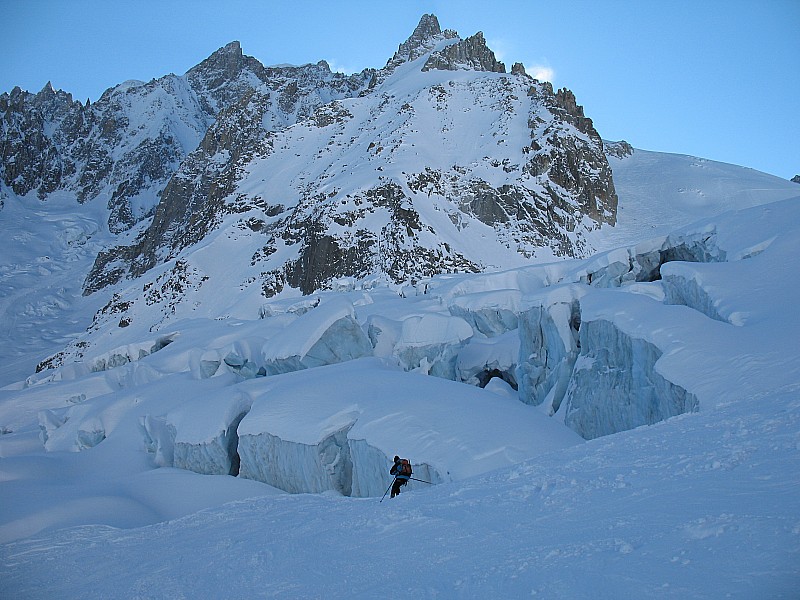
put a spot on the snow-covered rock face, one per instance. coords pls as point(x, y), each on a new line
point(124, 147)
point(440, 162)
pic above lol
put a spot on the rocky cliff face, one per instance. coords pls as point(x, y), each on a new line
point(471, 54)
point(439, 162)
point(192, 201)
point(400, 173)
point(32, 126)
point(125, 147)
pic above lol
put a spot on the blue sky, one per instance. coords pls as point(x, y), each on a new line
point(718, 79)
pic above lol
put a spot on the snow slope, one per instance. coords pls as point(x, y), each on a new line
point(47, 250)
point(659, 192)
point(703, 504)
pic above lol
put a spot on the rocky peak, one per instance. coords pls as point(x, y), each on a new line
point(471, 54)
point(219, 76)
point(51, 100)
point(126, 149)
point(427, 28)
point(31, 130)
point(568, 109)
point(424, 38)
point(796, 179)
point(619, 149)
point(47, 90)
point(226, 59)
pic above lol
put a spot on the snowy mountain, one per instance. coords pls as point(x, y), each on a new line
point(586, 350)
point(122, 149)
point(439, 162)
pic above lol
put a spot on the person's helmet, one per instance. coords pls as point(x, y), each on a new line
point(396, 458)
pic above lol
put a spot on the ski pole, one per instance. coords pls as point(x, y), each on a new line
point(387, 489)
point(421, 480)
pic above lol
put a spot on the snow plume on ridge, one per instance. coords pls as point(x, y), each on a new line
point(542, 72)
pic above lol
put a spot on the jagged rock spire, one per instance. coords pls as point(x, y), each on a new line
point(220, 76)
point(471, 53)
point(224, 63)
point(425, 36)
point(427, 28)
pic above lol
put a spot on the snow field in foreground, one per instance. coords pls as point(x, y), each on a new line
point(704, 505)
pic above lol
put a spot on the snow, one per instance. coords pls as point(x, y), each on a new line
point(324, 335)
point(688, 384)
point(659, 192)
point(248, 456)
point(305, 411)
point(702, 506)
point(47, 250)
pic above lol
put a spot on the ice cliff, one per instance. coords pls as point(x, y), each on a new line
point(462, 373)
point(299, 433)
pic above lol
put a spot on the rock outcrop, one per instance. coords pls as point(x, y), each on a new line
point(471, 54)
point(125, 147)
point(446, 165)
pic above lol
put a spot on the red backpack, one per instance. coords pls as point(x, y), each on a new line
point(405, 467)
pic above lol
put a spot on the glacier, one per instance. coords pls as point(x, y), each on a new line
point(585, 351)
point(303, 436)
point(646, 375)
point(631, 417)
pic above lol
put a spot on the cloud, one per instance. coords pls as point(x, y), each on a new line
point(500, 48)
point(539, 69)
point(542, 72)
point(338, 67)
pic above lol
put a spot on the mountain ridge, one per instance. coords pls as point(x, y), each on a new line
point(158, 253)
point(565, 169)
